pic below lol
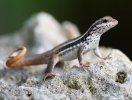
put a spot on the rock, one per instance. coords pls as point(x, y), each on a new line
point(102, 80)
point(70, 29)
point(109, 79)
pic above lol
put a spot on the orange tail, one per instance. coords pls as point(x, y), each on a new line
point(16, 58)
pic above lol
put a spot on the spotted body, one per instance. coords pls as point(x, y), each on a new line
point(88, 41)
point(69, 50)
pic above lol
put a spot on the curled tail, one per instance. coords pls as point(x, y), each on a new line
point(16, 58)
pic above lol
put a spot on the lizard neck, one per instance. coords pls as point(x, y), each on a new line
point(90, 34)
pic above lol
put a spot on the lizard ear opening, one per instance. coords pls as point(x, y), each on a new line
point(105, 21)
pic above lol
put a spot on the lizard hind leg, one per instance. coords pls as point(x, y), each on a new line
point(53, 60)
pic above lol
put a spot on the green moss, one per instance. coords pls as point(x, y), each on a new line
point(73, 84)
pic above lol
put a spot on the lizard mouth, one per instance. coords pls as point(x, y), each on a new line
point(115, 22)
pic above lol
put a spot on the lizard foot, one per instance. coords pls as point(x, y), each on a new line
point(84, 64)
point(107, 57)
point(49, 75)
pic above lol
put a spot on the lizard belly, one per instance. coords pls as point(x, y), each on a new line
point(69, 55)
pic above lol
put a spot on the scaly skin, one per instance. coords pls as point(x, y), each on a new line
point(69, 50)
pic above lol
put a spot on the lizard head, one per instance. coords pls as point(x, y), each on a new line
point(102, 25)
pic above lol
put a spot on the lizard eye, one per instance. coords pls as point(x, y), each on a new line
point(105, 21)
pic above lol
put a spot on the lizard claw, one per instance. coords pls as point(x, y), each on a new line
point(49, 75)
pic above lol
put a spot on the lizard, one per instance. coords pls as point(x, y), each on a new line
point(67, 51)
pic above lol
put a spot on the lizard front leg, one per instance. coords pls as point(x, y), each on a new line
point(80, 56)
point(53, 60)
point(98, 53)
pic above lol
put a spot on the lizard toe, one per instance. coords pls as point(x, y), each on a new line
point(49, 75)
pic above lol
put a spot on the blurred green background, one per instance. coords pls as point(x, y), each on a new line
point(13, 14)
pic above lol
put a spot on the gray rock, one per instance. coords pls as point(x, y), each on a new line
point(109, 79)
point(70, 30)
